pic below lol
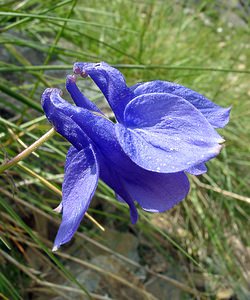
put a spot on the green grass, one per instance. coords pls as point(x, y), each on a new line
point(206, 236)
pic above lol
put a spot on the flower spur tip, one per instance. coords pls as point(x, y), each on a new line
point(49, 91)
point(55, 248)
point(78, 70)
point(58, 209)
point(72, 78)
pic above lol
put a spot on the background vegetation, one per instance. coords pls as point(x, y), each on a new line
point(198, 250)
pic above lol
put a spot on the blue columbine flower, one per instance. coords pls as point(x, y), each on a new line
point(163, 130)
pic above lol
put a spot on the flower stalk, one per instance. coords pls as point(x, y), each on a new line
point(27, 151)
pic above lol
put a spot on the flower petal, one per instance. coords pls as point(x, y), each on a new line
point(93, 128)
point(166, 134)
point(110, 175)
point(217, 116)
point(197, 170)
point(77, 124)
point(135, 86)
point(111, 82)
point(154, 192)
point(70, 155)
point(119, 198)
point(80, 182)
point(61, 121)
point(79, 99)
point(157, 192)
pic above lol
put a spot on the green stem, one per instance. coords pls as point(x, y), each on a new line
point(27, 151)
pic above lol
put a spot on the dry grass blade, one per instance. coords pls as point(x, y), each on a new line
point(37, 280)
point(221, 191)
point(172, 281)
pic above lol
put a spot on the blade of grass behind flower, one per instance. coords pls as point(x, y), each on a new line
point(27, 19)
point(7, 287)
point(33, 136)
point(21, 223)
point(60, 19)
point(19, 97)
